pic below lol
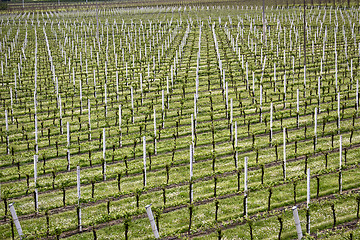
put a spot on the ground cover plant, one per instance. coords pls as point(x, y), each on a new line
point(219, 116)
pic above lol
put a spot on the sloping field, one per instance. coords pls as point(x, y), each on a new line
point(222, 128)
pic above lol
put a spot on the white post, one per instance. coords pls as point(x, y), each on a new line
point(284, 148)
point(308, 188)
point(117, 85)
point(162, 101)
point(144, 159)
point(78, 183)
point(35, 169)
point(68, 134)
point(104, 156)
point(6, 121)
point(78, 194)
point(195, 109)
point(336, 71)
point(35, 101)
point(297, 222)
point(105, 90)
point(192, 128)
point(152, 221)
point(236, 135)
point(16, 220)
point(36, 135)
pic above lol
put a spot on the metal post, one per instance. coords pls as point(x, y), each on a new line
point(297, 222)
point(16, 220)
point(152, 221)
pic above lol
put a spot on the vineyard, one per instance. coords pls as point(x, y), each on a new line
point(222, 117)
